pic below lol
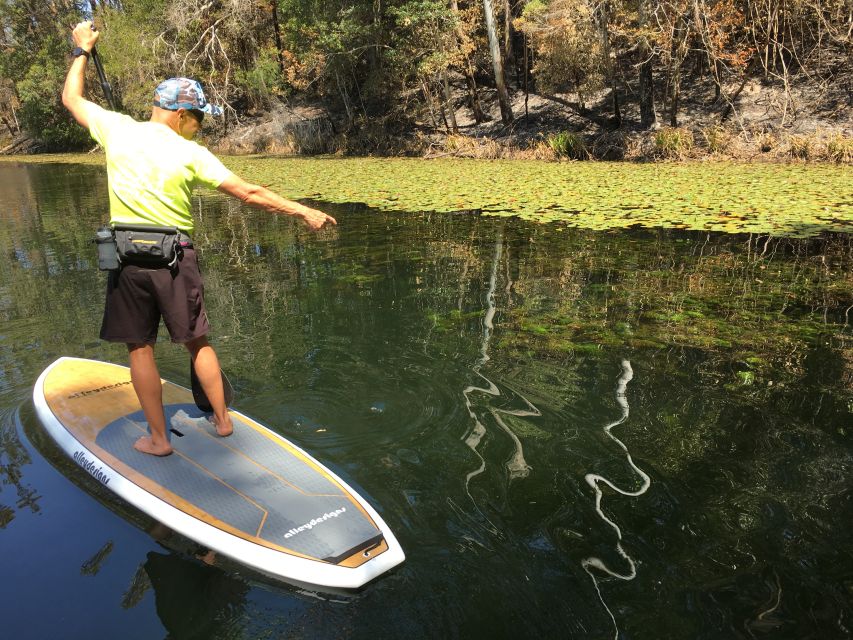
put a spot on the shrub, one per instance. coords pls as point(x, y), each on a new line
point(839, 149)
point(541, 150)
point(673, 142)
point(800, 147)
point(261, 82)
point(459, 144)
point(717, 138)
point(42, 114)
point(764, 140)
point(469, 147)
point(569, 145)
point(610, 146)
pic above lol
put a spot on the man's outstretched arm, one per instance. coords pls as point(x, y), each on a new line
point(72, 92)
point(262, 198)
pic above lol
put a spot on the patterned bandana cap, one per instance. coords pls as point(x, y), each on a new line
point(183, 93)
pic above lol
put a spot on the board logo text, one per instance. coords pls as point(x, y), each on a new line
point(314, 522)
point(81, 394)
point(90, 467)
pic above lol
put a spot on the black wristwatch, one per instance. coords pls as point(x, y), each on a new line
point(79, 51)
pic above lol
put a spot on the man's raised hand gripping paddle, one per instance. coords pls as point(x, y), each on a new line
point(152, 168)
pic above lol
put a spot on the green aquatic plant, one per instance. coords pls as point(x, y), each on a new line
point(570, 145)
point(779, 199)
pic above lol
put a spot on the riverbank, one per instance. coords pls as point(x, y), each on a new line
point(767, 122)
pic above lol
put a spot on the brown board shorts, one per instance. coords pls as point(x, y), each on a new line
point(137, 297)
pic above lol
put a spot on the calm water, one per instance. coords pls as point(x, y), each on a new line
point(573, 434)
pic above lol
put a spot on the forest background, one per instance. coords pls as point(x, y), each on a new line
point(545, 79)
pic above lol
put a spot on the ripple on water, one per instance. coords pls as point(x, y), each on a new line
point(358, 403)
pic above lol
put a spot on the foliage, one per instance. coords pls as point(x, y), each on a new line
point(792, 200)
point(129, 54)
point(263, 81)
point(404, 60)
point(672, 142)
point(568, 144)
point(839, 149)
point(569, 55)
point(41, 109)
point(800, 146)
point(717, 138)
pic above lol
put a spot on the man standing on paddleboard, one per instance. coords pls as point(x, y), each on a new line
point(152, 167)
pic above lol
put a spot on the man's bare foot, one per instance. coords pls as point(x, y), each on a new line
point(225, 429)
point(145, 445)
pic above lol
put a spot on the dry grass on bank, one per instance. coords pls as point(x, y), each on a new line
point(666, 143)
point(311, 131)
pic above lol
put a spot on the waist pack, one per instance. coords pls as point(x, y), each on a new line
point(148, 246)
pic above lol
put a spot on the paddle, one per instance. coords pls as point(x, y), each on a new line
point(96, 58)
point(199, 396)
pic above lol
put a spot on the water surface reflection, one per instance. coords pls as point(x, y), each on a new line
point(473, 378)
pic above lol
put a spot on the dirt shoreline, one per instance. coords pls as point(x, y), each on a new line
point(767, 123)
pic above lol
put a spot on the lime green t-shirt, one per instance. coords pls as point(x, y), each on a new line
point(151, 170)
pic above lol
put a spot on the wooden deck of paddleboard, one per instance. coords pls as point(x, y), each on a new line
point(253, 485)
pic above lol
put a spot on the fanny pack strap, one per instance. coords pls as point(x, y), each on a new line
point(184, 239)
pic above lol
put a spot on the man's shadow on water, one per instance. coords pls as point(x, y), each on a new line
point(193, 599)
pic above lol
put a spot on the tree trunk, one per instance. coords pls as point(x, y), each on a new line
point(497, 63)
point(647, 89)
point(508, 50)
point(678, 53)
point(473, 98)
point(604, 32)
point(701, 24)
point(8, 125)
point(673, 107)
point(448, 99)
point(428, 98)
point(277, 34)
point(526, 74)
point(647, 96)
point(345, 98)
point(375, 60)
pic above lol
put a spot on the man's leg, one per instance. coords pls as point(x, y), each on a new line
point(210, 376)
point(149, 390)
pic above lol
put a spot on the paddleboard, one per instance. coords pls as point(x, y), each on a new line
point(254, 496)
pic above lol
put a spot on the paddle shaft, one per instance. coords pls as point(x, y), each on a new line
point(99, 67)
point(105, 85)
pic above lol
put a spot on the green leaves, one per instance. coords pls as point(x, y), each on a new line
point(797, 201)
point(782, 200)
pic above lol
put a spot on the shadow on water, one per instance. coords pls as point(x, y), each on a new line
point(193, 600)
point(473, 377)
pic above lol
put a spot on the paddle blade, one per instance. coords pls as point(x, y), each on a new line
point(199, 396)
